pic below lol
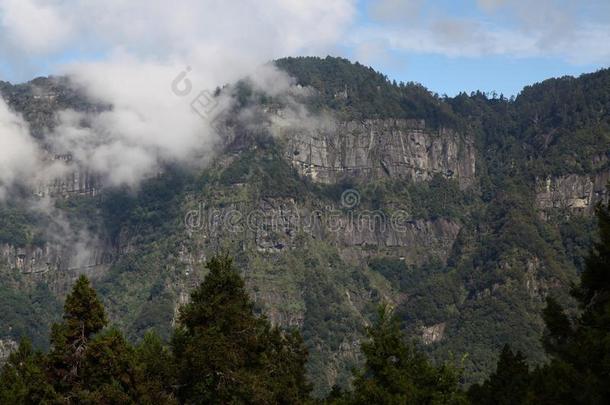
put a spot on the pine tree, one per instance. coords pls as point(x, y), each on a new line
point(91, 365)
point(84, 313)
point(157, 370)
point(226, 354)
point(397, 373)
point(83, 316)
point(593, 293)
point(109, 371)
point(284, 366)
point(508, 385)
point(579, 370)
point(23, 378)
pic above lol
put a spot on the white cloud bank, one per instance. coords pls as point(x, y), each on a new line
point(31, 27)
point(21, 159)
point(16, 147)
point(141, 47)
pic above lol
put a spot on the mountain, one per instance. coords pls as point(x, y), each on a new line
point(464, 213)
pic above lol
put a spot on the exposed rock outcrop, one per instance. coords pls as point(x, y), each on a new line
point(56, 265)
point(382, 148)
point(7, 346)
point(77, 181)
point(31, 259)
point(274, 224)
point(576, 194)
point(433, 334)
point(51, 257)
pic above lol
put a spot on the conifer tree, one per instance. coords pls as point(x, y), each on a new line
point(579, 370)
point(508, 385)
point(23, 378)
point(397, 373)
point(226, 354)
point(83, 316)
point(156, 369)
point(593, 293)
point(109, 371)
point(284, 363)
point(91, 365)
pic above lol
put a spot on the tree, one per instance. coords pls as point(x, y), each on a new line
point(397, 373)
point(109, 371)
point(226, 354)
point(23, 378)
point(284, 364)
point(579, 370)
point(156, 367)
point(83, 316)
point(593, 293)
point(91, 365)
point(84, 313)
point(508, 385)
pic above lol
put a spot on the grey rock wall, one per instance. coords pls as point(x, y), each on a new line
point(575, 194)
point(373, 149)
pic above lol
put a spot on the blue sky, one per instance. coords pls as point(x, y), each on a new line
point(449, 46)
point(504, 72)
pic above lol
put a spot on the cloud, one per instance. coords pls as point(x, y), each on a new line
point(21, 159)
point(32, 26)
point(490, 5)
point(143, 47)
point(379, 52)
point(16, 147)
point(575, 31)
point(453, 38)
point(211, 30)
point(396, 11)
point(238, 32)
point(147, 126)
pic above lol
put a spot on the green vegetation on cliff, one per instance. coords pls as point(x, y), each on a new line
point(359, 92)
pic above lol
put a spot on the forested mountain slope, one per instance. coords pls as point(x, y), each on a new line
point(472, 211)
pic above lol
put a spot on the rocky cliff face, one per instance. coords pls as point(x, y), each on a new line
point(56, 264)
point(31, 259)
point(40, 100)
point(273, 225)
point(77, 181)
point(366, 150)
point(433, 334)
point(374, 149)
point(575, 194)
